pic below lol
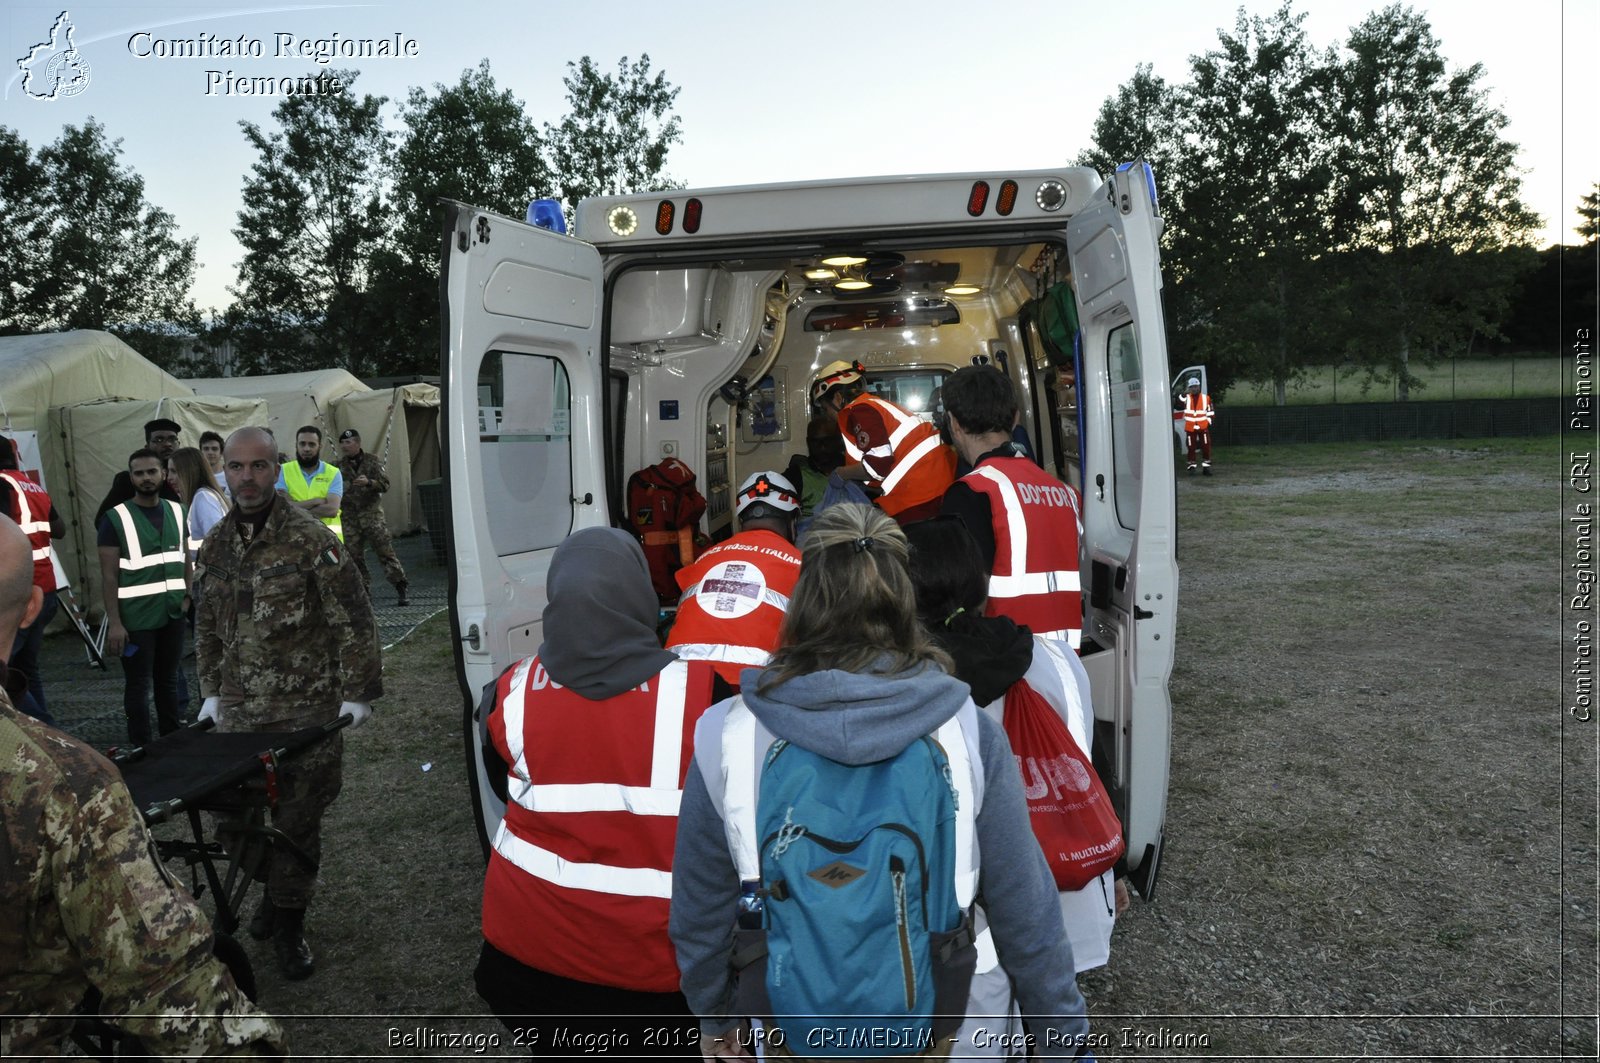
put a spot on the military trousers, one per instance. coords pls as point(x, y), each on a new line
point(369, 528)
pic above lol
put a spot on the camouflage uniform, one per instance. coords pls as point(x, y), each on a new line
point(283, 634)
point(362, 512)
point(87, 902)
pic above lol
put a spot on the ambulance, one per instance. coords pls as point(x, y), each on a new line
point(690, 324)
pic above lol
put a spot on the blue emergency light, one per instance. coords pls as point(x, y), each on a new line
point(546, 214)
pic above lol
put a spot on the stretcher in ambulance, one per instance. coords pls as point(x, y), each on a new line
point(690, 324)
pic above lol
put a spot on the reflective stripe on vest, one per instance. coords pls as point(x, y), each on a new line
point(1196, 412)
point(293, 473)
point(914, 448)
point(710, 651)
point(140, 566)
point(741, 763)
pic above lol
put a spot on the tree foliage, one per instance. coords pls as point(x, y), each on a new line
point(617, 134)
point(1426, 188)
point(1588, 227)
point(313, 217)
point(1359, 203)
point(473, 142)
point(1254, 173)
point(90, 252)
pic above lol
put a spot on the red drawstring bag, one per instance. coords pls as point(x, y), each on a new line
point(1072, 815)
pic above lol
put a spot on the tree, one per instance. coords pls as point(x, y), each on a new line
point(1425, 183)
point(24, 231)
point(473, 142)
point(1254, 175)
point(313, 217)
point(1588, 228)
point(1139, 122)
point(616, 137)
point(111, 259)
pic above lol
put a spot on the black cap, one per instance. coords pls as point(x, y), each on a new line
point(161, 424)
point(349, 433)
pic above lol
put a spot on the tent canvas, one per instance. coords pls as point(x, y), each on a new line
point(88, 443)
point(293, 400)
point(50, 369)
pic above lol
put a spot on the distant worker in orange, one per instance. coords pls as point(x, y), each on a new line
point(736, 593)
point(895, 450)
point(1197, 414)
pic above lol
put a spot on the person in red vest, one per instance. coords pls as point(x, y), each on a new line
point(1026, 522)
point(1197, 414)
point(896, 450)
point(593, 735)
point(25, 502)
point(735, 594)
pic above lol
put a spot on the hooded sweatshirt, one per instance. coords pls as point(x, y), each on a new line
point(858, 719)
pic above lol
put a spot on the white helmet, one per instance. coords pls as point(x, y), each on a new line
point(1194, 381)
point(768, 488)
point(834, 374)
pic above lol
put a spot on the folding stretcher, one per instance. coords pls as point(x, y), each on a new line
point(236, 777)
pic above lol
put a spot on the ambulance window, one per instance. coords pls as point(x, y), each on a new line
point(1126, 377)
point(525, 434)
point(913, 390)
point(902, 313)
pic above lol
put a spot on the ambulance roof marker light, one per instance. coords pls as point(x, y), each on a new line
point(666, 213)
point(546, 214)
point(692, 211)
point(622, 220)
point(978, 198)
point(1006, 202)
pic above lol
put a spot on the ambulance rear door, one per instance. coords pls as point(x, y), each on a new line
point(1131, 600)
point(522, 396)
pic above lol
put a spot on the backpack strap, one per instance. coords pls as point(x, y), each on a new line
point(730, 746)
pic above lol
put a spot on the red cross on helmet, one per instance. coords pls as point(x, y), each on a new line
point(768, 488)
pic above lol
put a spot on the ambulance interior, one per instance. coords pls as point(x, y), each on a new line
point(712, 364)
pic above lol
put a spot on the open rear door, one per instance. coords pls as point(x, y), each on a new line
point(522, 399)
point(1129, 513)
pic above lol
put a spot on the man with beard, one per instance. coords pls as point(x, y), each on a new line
point(364, 484)
point(144, 576)
point(285, 639)
point(311, 483)
point(160, 437)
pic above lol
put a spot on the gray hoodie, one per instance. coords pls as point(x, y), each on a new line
point(858, 719)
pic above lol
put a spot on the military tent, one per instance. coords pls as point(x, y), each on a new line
point(401, 426)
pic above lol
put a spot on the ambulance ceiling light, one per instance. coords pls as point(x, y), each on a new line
point(852, 282)
point(622, 220)
point(844, 261)
point(960, 288)
point(822, 273)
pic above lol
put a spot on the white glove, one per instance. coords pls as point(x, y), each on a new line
point(210, 709)
point(357, 710)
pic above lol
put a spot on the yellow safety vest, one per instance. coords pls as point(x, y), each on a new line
point(300, 488)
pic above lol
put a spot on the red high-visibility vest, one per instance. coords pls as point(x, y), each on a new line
point(1196, 412)
point(734, 599)
point(32, 504)
point(902, 452)
point(581, 868)
point(1037, 524)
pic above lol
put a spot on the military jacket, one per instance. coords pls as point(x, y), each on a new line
point(284, 631)
point(361, 499)
point(88, 902)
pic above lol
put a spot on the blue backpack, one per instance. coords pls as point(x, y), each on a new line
point(866, 945)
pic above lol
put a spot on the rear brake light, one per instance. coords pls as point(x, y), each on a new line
point(978, 198)
point(1007, 199)
point(664, 216)
point(691, 216)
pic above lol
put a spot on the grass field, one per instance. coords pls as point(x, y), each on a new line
point(1461, 378)
point(1381, 826)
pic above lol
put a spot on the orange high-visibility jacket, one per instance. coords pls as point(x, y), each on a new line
point(734, 599)
point(1197, 412)
point(901, 451)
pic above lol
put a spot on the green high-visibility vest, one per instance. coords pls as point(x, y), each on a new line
point(150, 585)
point(300, 488)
